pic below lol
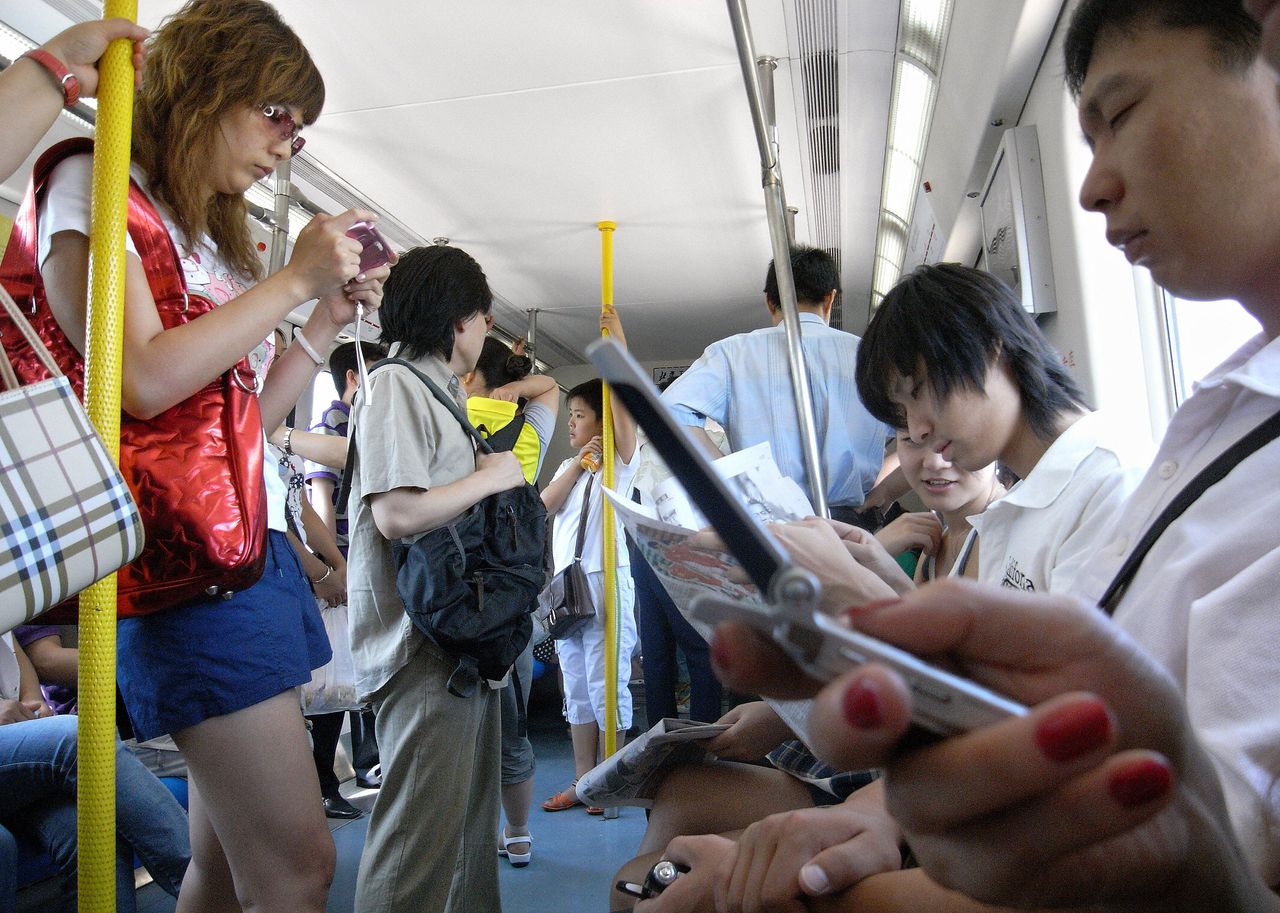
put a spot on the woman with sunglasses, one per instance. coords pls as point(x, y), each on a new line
point(229, 87)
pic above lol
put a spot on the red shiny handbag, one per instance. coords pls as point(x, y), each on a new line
point(195, 470)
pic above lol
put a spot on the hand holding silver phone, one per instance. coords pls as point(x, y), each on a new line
point(942, 703)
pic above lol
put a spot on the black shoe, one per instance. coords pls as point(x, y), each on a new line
point(338, 807)
point(370, 780)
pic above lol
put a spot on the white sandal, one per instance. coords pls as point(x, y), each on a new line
point(517, 860)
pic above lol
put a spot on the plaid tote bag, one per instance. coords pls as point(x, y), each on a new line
point(66, 516)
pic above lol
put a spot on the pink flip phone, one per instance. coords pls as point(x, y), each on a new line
point(375, 249)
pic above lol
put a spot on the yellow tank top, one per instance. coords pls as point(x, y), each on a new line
point(492, 415)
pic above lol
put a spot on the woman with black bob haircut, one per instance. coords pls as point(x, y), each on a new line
point(953, 361)
point(954, 322)
point(436, 287)
point(416, 469)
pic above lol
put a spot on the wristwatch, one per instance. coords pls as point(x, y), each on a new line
point(61, 75)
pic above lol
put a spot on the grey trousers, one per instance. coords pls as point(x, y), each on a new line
point(430, 845)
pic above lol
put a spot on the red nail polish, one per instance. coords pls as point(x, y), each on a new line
point(1074, 731)
point(721, 657)
point(1141, 783)
point(862, 706)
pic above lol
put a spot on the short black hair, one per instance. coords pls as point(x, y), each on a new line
point(590, 392)
point(815, 272)
point(1235, 36)
point(499, 366)
point(429, 290)
point(343, 359)
point(956, 321)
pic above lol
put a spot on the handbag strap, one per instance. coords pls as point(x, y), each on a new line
point(1212, 474)
point(582, 518)
point(33, 339)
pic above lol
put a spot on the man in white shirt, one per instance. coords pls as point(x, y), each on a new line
point(1175, 94)
point(744, 384)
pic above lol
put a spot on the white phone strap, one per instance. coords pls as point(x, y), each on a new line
point(364, 372)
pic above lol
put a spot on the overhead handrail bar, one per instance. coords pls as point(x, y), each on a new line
point(756, 76)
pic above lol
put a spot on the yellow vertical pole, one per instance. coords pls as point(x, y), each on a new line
point(96, 789)
point(612, 627)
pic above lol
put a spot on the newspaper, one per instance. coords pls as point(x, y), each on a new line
point(753, 475)
point(662, 533)
point(632, 775)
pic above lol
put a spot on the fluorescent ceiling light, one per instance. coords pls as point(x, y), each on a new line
point(922, 32)
point(13, 45)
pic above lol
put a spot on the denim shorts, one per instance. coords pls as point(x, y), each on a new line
point(185, 665)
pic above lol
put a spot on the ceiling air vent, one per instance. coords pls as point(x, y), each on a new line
point(814, 47)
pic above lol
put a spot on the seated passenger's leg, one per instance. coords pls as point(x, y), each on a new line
point(51, 825)
point(718, 797)
point(152, 821)
point(37, 760)
point(254, 771)
point(8, 871)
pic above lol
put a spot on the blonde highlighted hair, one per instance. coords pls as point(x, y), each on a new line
point(205, 61)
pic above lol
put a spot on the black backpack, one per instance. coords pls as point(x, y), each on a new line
point(471, 586)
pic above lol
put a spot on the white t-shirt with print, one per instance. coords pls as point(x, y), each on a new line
point(66, 208)
point(1040, 536)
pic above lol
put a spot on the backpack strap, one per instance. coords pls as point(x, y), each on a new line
point(1211, 475)
point(344, 492)
point(506, 437)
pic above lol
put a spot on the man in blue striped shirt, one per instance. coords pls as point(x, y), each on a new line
point(744, 384)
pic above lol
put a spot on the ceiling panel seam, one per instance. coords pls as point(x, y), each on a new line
point(532, 90)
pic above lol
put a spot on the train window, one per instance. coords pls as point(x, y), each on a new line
point(1201, 335)
point(322, 393)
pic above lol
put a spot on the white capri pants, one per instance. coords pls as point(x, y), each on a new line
point(582, 657)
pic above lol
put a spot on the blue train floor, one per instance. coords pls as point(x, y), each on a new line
point(574, 855)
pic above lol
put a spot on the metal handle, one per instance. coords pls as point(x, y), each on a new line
point(754, 73)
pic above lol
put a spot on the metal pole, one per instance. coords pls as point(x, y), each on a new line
point(280, 218)
point(531, 339)
point(753, 74)
point(612, 617)
point(103, 369)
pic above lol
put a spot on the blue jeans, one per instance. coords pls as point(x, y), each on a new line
point(8, 871)
point(38, 802)
point(662, 629)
